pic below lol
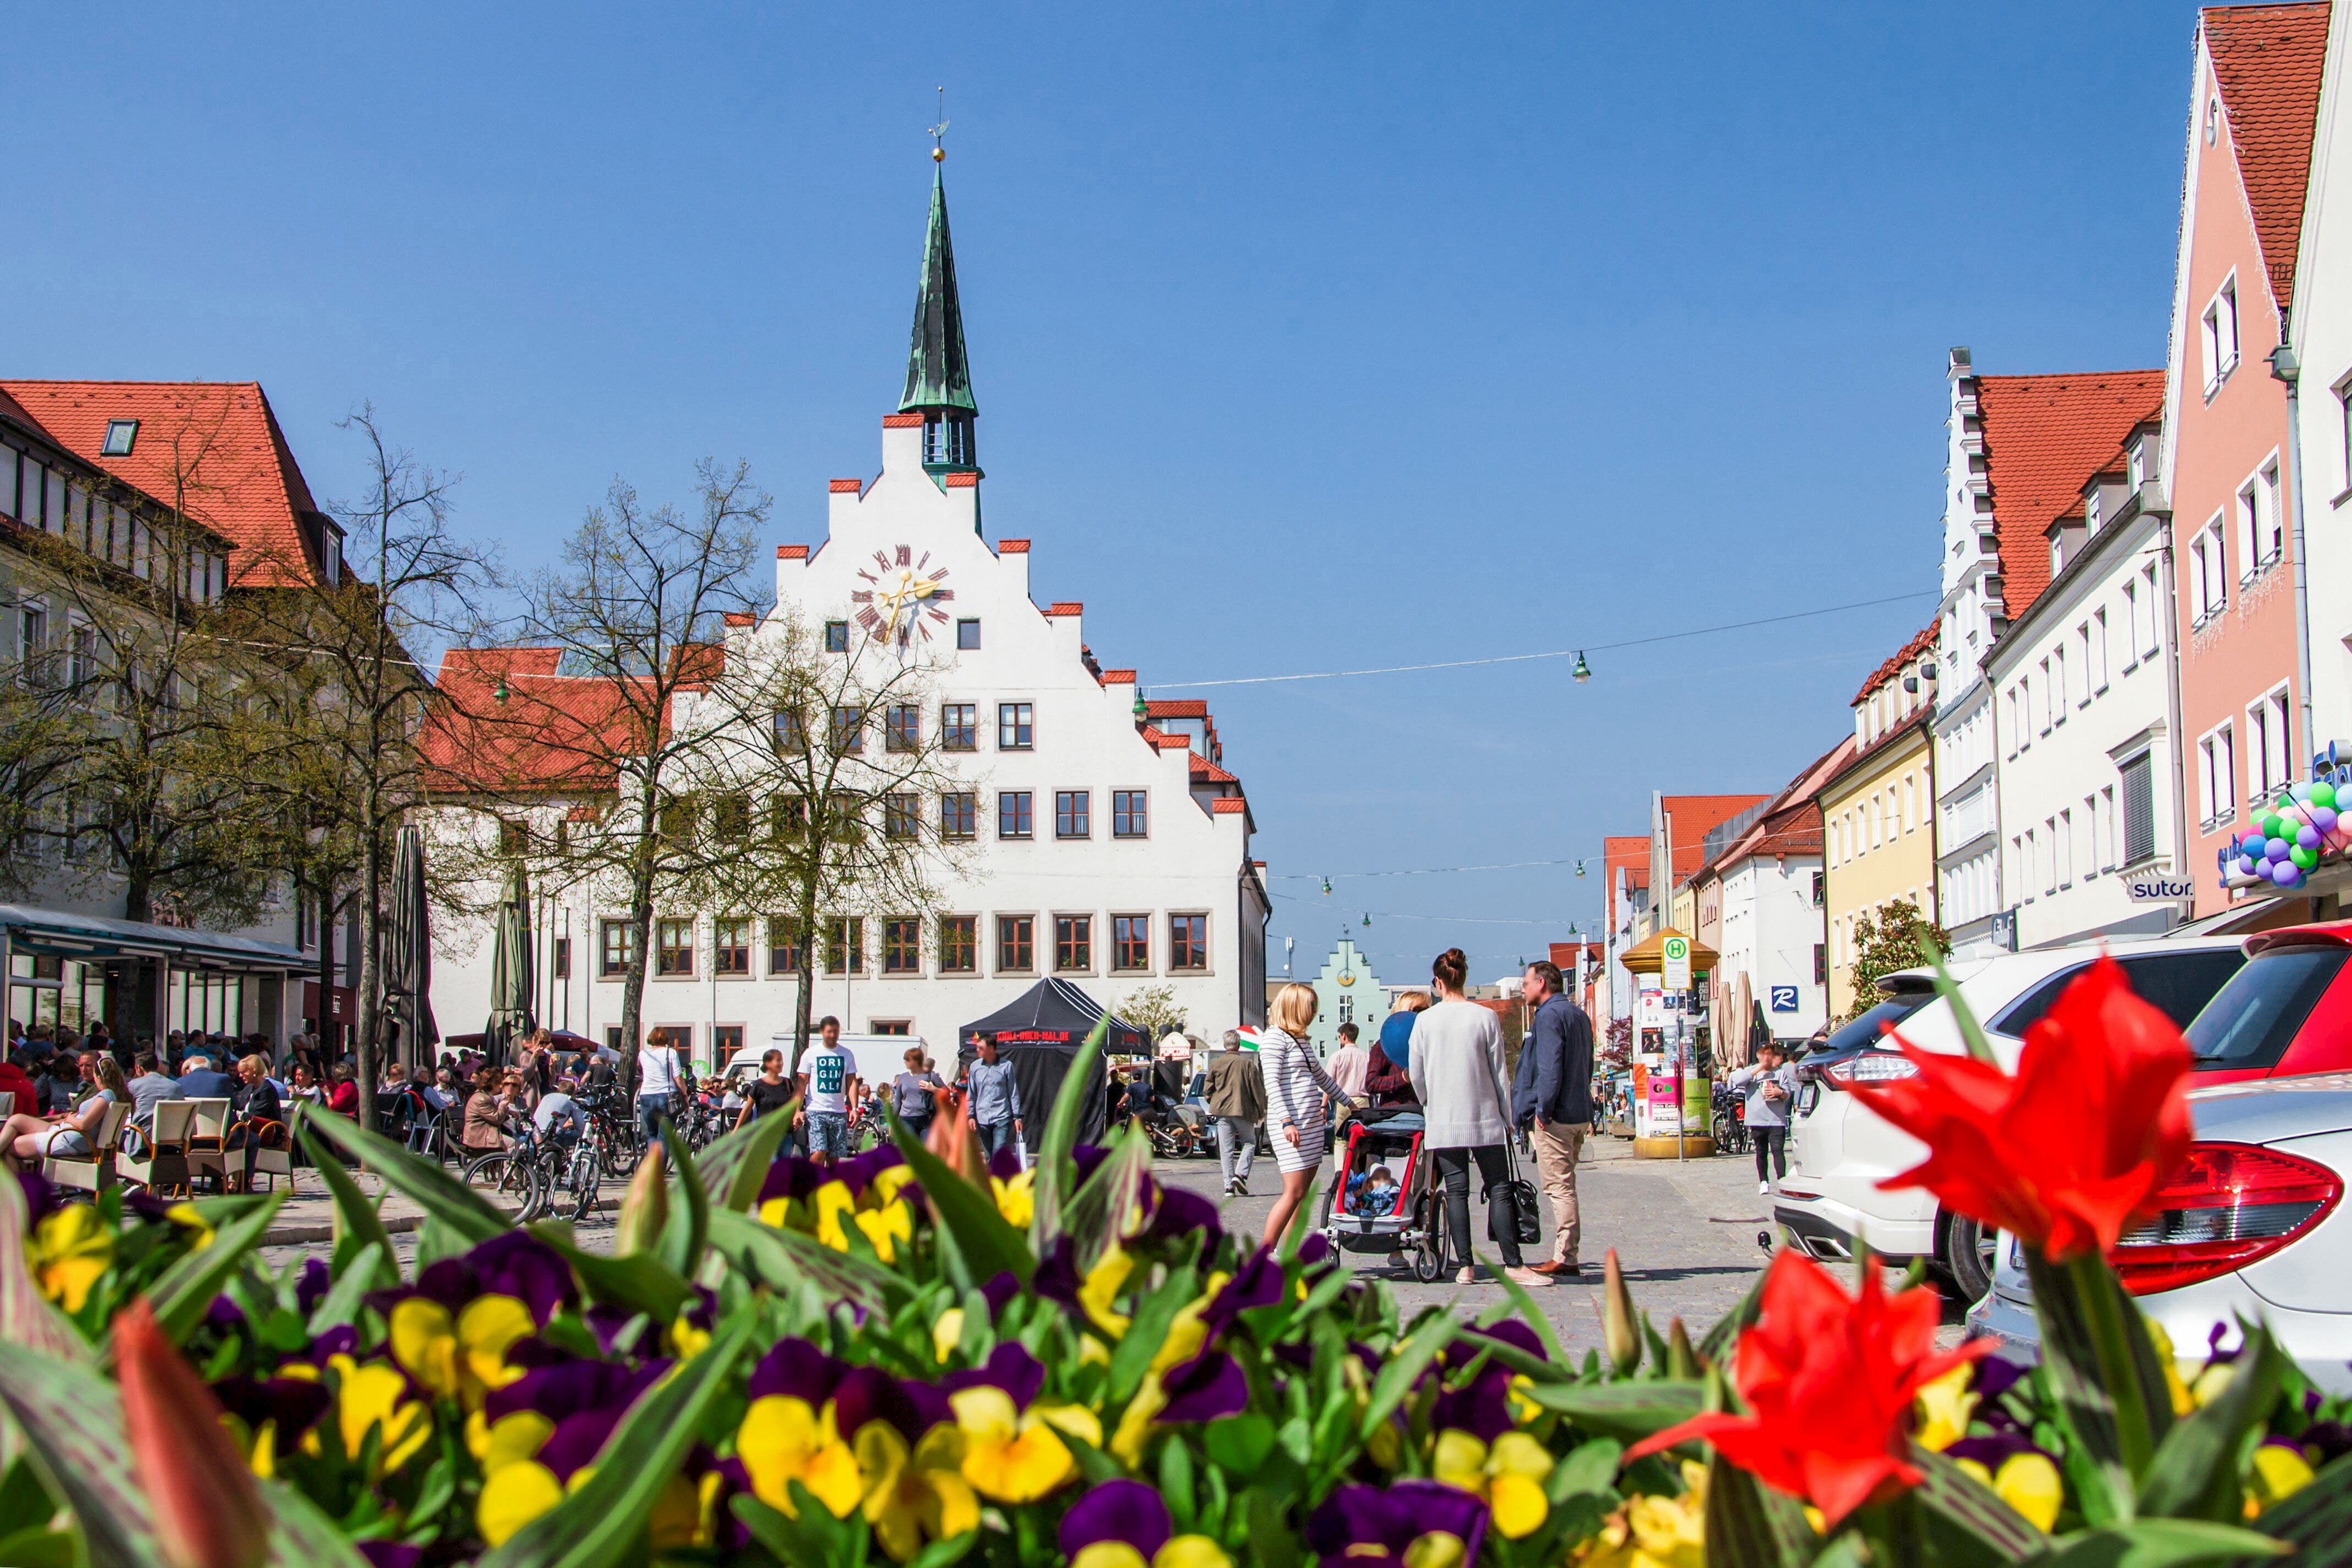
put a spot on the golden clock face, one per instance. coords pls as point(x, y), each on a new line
point(904, 596)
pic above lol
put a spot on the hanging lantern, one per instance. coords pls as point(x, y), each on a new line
point(1583, 671)
point(1142, 708)
point(1368, 918)
point(1327, 887)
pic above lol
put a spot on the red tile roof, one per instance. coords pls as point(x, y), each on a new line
point(791, 552)
point(1921, 644)
point(2043, 435)
point(846, 486)
point(1177, 707)
point(739, 618)
point(551, 732)
point(1118, 678)
point(961, 481)
point(1205, 771)
point(1012, 546)
point(1066, 607)
point(211, 449)
point(2267, 61)
point(902, 421)
point(1226, 805)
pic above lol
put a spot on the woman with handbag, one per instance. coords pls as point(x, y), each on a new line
point(1296, 1090)
point(1457, 1073)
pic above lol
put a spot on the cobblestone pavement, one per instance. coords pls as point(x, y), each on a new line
point(1684, 1231)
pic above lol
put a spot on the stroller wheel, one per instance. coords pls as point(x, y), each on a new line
point(1429, 1257)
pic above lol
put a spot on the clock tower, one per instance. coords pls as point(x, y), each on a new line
point(939, 377)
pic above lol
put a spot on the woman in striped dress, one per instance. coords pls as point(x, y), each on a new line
point(1296, 1085)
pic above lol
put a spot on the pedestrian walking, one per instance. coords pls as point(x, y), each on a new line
point(1457, 1073)
point(1237, 1105)
point(658, 1071)
point(994, 1096)
point(828, 1080)
point(913, 1093)
point(1771, 1087)
point(1552, 1102)
point(1351, 1064)
point(1295, 1080)
point(769, 1092)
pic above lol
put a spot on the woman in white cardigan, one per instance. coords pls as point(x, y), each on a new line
point(1457, 1072)
point(1296, 1087)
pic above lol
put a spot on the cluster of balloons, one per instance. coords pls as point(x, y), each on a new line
point(2295, 833)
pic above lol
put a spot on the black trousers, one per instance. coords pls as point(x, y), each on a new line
point(1494, 1168)
point(1771, 1143)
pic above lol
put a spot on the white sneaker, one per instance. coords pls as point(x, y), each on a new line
point(1764, 1187)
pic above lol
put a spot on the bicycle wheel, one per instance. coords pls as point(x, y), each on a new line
point(584, 1187)
point(509, 1181)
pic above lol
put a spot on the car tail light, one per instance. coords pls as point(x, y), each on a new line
point(1870, 1067)
point(2228, 1205)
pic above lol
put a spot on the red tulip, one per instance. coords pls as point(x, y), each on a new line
point(1829, 1380)
point(950, 1138)
point(2067, 1152)
point(208, 1511)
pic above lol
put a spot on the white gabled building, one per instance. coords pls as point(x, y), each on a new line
point(1108, 845)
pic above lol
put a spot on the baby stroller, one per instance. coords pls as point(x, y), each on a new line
point(1360, 1216)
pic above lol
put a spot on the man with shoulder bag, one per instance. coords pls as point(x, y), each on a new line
point(1552, 1102)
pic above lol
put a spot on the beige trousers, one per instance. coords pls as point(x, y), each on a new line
point(1557, 1146)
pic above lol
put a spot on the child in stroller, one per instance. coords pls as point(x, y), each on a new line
point(1372, 1192)
point(1379, 1200)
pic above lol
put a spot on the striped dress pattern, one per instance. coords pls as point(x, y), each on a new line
point(1295, 1086)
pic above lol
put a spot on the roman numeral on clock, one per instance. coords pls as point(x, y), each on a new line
point(868, 619)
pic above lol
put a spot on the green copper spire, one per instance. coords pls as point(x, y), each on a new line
point(938, 375)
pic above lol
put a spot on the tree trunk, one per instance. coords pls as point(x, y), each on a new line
point(641, 921)
point(138, 895)
point(368, 993)
point(806, 1002)
point(327, 1053)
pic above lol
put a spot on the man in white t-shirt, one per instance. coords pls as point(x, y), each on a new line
point(828, 1086)
point(658, 1069)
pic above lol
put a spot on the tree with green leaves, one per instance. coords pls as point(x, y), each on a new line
point(1891, 937)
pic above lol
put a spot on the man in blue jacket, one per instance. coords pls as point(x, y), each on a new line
point(1551, 1101)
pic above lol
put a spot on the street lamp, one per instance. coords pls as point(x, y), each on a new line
point(1583, 671)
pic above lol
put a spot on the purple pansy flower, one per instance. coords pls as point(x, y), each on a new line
point(1209, 1388)
point(857, 1172)
point(1374, 1527)
point(1056, 1279)
point(570, 1388)
point(1991, 1450)
point(868, 1393)
point(390, 1553)
point(790, 1176)
point(312, 1287)
point(223, 1314)
point(1181, 1212)
point(294, 1403)
point(1257, 1283)
point(41, 1196)
point(1121, 1510)
point(1011, 1367)
point(1483, 1408)
point(795, 1369)
point(1005, 1162)
point(577, 1439)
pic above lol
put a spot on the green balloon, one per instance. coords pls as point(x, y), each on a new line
point(2322, 794)
point(2273, 827)
point(2302, 857)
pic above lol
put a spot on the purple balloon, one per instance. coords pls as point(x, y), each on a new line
point(2322, 817)
point(2276, 849)
point(2286, 873)
point(2307, 837)
point(2246, 864)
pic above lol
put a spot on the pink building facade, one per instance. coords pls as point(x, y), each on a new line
point(2228, 457)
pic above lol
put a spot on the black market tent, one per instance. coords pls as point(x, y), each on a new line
point(1040, 1032)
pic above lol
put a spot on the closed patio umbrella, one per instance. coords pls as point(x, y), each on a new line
point(511, 988)
point(1738, 1050)
point(408, 955)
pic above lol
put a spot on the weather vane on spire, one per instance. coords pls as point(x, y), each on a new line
point(939, 152)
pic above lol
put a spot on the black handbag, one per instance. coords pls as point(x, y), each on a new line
point(1522, 1191)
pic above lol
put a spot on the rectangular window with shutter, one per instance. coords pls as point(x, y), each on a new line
point(2139, 809)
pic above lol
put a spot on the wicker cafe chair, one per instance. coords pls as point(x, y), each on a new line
point(92, 1172)
point(163, 1167)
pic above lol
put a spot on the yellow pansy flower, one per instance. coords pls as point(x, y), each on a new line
point(512, 1497)
point(1509, 1475)
point(512, 1438)
point(69, 1252)
point(1011, 1455)
point(915, 1496)
point(2030, 1484)
point(463, 1357)
point(887, 1229)
point(184, 1215)
point(373, 1396)
point(2279, 1472)
point(782, 1441)
point(1945, 1407)
point(1016, 1198)
point(1178, 1552)
point(947, 1333)
point(1101, 1287)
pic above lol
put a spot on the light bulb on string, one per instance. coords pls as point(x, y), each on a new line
point(1327, 887)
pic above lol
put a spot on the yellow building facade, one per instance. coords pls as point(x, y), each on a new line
point(1878, 812)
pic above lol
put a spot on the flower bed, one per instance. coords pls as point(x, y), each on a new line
point(909, 1358)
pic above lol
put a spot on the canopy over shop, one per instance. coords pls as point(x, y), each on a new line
point(1040, 1032)
point(1668, 1052)
point(144, 981)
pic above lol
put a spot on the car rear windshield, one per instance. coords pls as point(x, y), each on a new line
point(2254, 1017)
point(1865, 1029)
point(2178, 984)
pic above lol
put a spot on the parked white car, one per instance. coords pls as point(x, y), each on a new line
point(1839, 1151)
point(2254, 1227)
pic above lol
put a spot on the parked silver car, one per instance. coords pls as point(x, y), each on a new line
point(2254, 1225)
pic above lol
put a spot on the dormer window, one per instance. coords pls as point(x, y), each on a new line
point(2057, 556)
point(120, 434)
point(2137, 464)
point(2090, 510)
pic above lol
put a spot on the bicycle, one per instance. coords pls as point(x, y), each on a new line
point(565, 1166)
point(509, 1174)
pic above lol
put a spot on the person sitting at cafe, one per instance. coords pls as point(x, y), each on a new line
point(30, 1139)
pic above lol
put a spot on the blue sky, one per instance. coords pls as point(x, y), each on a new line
point(1305, 336)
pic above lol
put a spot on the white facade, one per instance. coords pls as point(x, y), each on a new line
point(1972, 619)
point(2320, 333)
point(1772, 934)
point(1093, 859)
point(2083, 723)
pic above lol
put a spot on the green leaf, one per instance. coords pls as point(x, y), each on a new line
point(788, 1538)
point(441, 1195)
point(2317, 1521)
point(1626, 1410)
point(1272, 1544)
point(2194, 1474)
point(733, 1168)
point(1403, 1369)
point(1972, 1526)
point(640, 1283)
point(1531, 1315)
point(24, 1502)
point(1176, 1482)
point(1054, 1164)
point(187, 1288)
point(1097, 1211)
point(300, 1536)
point(1238, 1443)
point(2103, 1375)
point(2159, 1543)
point(39, 1548)
point(361, 1273)
point(939, 1553)
point(989, 1245)
point(687, 1230)
point(601, 1526)
point(1145, 1334)
point(781, 1257)
point(1591, 1467)
point(357, 1220)
point(71, 1421)
point(1750, 1525)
